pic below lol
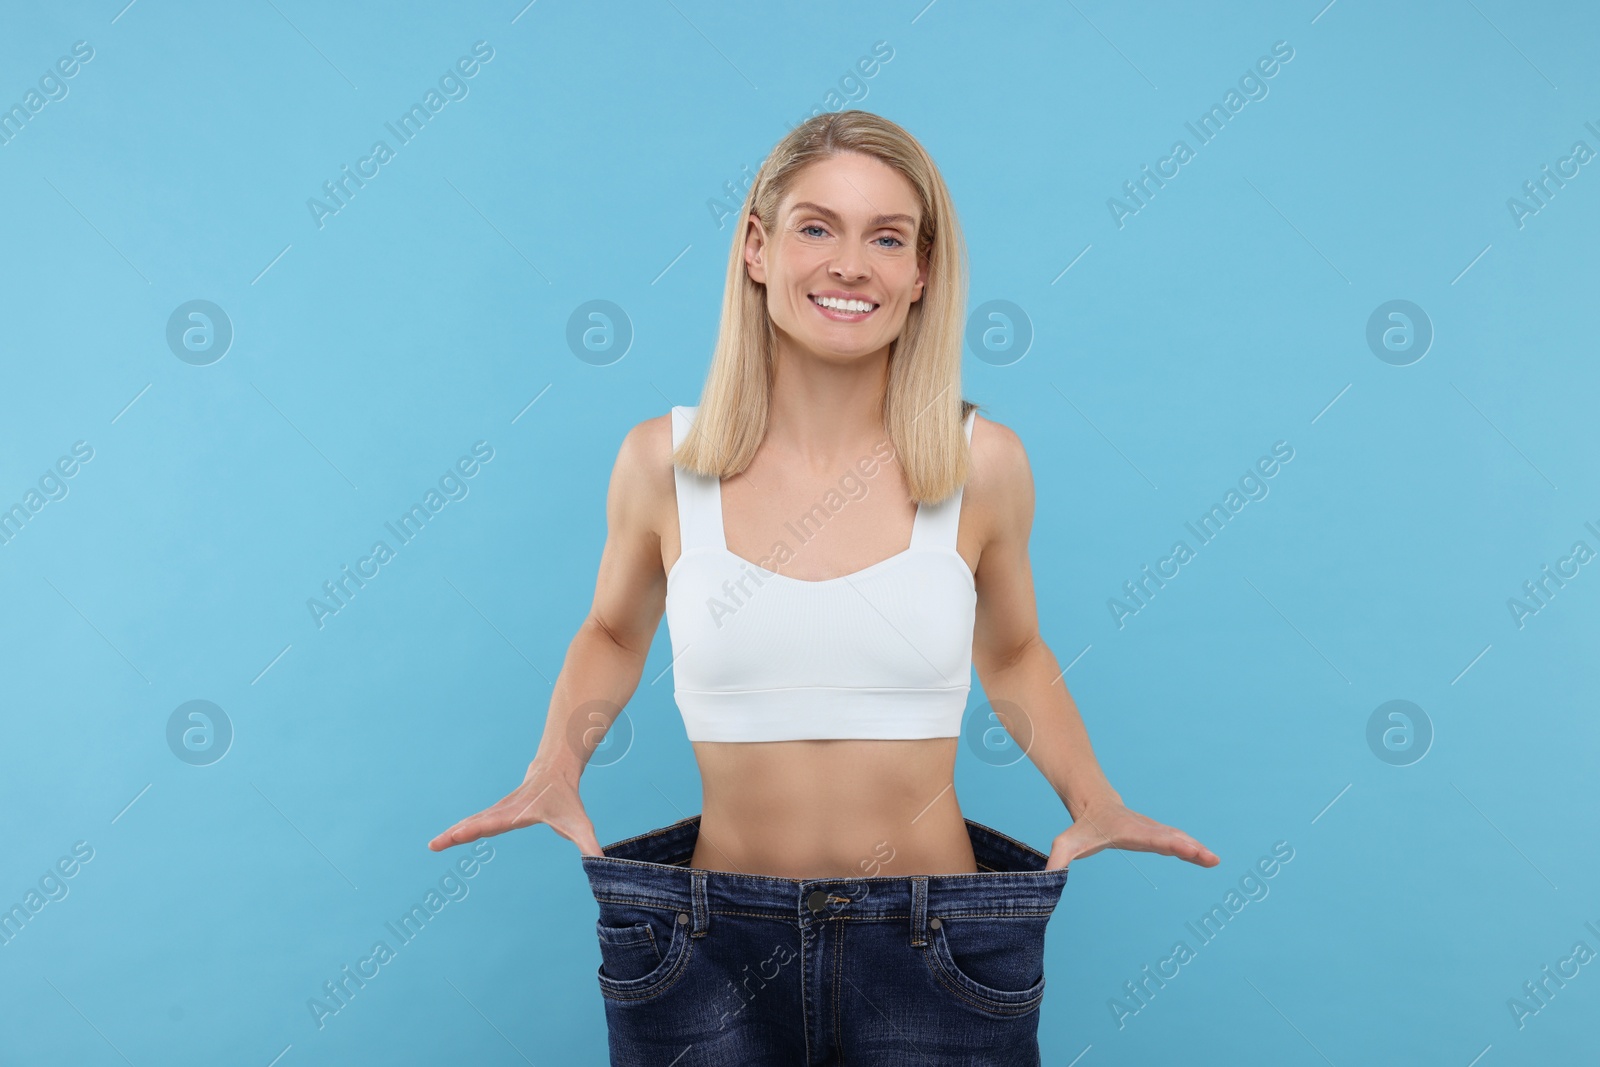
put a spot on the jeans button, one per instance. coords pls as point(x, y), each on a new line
point(683, 918)
point(817, 900)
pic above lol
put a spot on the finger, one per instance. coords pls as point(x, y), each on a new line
point(456, 835)
point(1177, 843)
point(483, 824)
point(580, 831)
point(1196, 853)
point(1170, 841)
point(588, 844)
point(444, 840)
point(1068, 846)
point(509, 813)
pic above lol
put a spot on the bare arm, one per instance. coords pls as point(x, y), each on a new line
point(604, 659)
point(1018, 670)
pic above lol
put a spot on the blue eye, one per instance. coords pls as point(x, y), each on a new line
point(898, 243)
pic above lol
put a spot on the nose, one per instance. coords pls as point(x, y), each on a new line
point(848, 265)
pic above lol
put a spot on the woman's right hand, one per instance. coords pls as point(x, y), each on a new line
point(545, 795)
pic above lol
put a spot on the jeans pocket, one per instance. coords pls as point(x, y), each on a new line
point(643, 949)
point(627, 952)
point(993, 963)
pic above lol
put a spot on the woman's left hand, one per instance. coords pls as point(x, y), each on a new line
point(1112, 825)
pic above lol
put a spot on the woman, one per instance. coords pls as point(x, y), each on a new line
point(830, 903)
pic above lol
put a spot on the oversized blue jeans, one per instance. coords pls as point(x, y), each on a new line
point(707, 968)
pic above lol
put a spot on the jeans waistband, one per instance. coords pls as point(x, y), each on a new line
point(652, 870)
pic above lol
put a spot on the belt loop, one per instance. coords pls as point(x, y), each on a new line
point(702, 912)
point(919, 910)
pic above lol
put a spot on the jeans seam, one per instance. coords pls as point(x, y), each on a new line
point(648, 938)
point(656, 904)
point(944, 913)
point(653, 903)
point(805, 1020)
point(838, 994)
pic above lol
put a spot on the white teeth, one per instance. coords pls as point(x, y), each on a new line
point(843, 305)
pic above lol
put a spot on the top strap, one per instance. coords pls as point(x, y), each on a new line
point(936, 524)
point(699, 495)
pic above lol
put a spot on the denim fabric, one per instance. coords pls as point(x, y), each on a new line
point(714, 969)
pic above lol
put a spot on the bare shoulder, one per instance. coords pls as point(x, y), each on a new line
point(999, 486)
point(646, 451)
point(641, 481)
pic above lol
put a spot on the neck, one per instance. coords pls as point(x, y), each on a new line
point(825, 409)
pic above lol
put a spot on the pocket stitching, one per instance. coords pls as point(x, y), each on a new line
point(672, 967)
point(649, 936)
point(942, 964)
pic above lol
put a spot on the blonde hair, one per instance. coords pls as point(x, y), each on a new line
point(923, 410)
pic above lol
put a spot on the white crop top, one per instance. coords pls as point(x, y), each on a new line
point(882, 652)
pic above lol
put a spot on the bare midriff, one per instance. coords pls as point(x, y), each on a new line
point(831, 809)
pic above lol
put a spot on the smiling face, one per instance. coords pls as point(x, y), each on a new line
point(840, 267)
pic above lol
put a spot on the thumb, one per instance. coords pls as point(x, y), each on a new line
point(580, 831)
point(1068, 846)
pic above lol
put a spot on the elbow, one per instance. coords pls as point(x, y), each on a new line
point(599, 630)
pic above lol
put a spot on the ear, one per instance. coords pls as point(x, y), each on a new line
point(755, 244)
point(922, 280)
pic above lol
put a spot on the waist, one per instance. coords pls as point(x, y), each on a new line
point(653, 868)
point(856, 808)
point(844, 844)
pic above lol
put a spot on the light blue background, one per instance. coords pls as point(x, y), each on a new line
point(432, 311)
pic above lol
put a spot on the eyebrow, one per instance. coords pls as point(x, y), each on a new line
point(807, 207)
